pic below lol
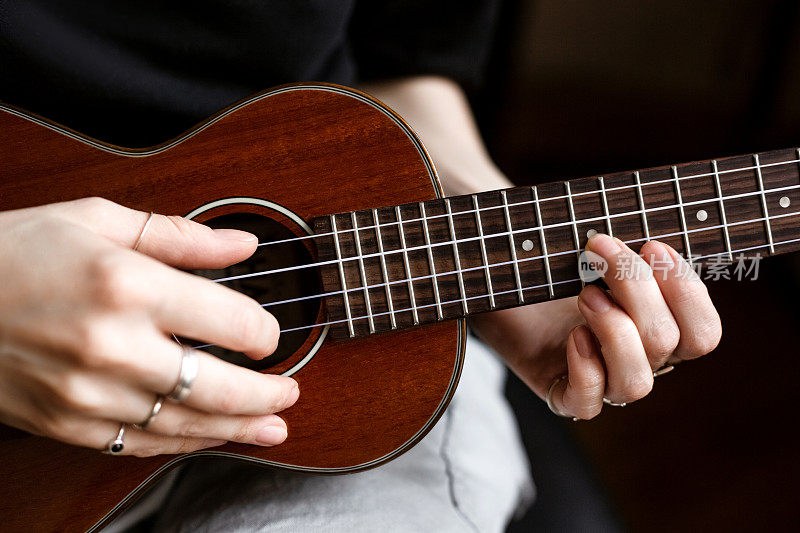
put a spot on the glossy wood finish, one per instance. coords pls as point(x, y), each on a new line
point(314, 150)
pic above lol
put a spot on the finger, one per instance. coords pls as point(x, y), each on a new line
point(95, 433)
point(634, 288)
point(185, 304)
point(629, 375)
point(688, 299)
point(176, 420)
point(200, 309)
point(219, 387)
point(581, 395)
point(174, 240)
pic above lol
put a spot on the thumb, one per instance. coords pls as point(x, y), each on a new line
point(174, 240)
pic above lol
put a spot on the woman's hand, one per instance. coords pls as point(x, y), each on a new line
point(609, 344)
point(85, 326)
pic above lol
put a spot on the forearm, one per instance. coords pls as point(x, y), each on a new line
point(438, 111)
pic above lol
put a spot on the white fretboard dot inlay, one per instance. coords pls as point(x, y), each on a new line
point(702, 215)
point(527, 245)
point(591, 233)
point(785, 202)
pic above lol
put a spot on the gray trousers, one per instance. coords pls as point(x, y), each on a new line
point(470, 473)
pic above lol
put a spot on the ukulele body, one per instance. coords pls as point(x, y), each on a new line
point(289, 154)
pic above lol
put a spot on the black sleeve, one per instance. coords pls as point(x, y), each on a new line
point(452, 38)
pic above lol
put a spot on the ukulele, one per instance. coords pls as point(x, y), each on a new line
point(370, 271)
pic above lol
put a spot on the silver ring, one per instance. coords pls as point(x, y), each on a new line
point(115, 446)
point(549, 399)
point(189, 366)
point(153, 412)
point(144, 230)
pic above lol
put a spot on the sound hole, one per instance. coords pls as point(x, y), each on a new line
point(277, 287)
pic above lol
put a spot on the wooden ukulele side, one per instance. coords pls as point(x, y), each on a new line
point(314, 149)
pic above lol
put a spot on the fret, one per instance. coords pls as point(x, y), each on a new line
point(764, 203)
point(574, 227)
point(606, 213)
point(384, 270)
point(406, 264)
point(683, 214)
point(341, 276)
point(363, 273)
point(485, 260)
point(456, 257)
point(512, 246)
point(723, 216)
point(641, 206)
point(544, 242)
point(431, 264)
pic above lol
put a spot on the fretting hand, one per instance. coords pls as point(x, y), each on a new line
point(85, 324)
point(607, 345)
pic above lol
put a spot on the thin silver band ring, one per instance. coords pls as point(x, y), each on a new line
point(153, 412)
point(142, 233)
point(189, 367)
point(549, 399)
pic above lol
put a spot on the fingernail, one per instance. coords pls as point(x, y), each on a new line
point(595, 299)
point(271, 435)
point(659, 256)
point(584, 342)
point(235, 235)
point(293, 394)
point(604, 245)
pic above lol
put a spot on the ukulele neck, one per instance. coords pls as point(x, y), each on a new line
point(400, 266)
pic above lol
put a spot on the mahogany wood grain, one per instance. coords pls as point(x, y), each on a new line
point(314, 150)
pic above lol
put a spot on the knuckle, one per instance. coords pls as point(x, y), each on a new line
point(662, 337)
point(587, 412)
point(248, 324)
point(93, 342)
point(191, 426)
point(705, 340)
point(113, 281)
point(95, 204)
point(637, 386)
point(230, 402)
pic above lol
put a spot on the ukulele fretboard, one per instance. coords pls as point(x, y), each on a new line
point(399, 266)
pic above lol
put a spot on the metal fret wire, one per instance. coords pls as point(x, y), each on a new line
point(619, 188)
point(606, 212)
point(363, 271)
point(683, 214)
point(764, 203)
point(431, 264)
point(641, 205)
point(512, 247)
point(406, 264)
point(722, 209)
point(487, 271)
point(341, 275)
point(383, 267)
point(574, 226)
point(456, 257)
point(503, 233)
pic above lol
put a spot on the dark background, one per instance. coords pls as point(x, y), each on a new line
point(581, 88)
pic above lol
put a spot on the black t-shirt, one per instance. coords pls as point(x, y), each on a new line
point(136, 72)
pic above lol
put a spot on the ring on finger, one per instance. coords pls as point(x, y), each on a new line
point(153, 412)
point(116, 445)
point(660, 372)
point(144, 230)
point(189, 367)
point(549, 399)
